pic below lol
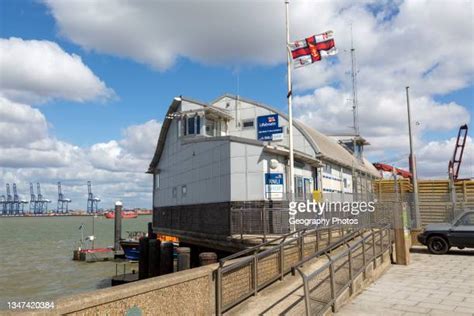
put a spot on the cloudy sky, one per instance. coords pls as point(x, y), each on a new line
point(84, 85)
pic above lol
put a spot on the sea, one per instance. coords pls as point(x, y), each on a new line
point(36, 256)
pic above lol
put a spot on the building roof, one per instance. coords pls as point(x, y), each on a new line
point(325, 147)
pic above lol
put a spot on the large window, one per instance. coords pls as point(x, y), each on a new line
point(191, 125)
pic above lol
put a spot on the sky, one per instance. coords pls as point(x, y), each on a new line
point(85, 85)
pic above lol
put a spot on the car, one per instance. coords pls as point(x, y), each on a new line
point(441, 237)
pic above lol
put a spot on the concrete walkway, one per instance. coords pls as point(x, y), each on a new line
point(431, 285)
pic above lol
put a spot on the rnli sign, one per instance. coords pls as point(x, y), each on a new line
point(274, 185)
point(268, 128)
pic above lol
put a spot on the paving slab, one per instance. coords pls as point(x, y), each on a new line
point(430, 285)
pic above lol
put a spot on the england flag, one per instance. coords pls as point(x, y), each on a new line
point(312, 49)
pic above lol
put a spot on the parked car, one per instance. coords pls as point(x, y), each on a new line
point(459, 233)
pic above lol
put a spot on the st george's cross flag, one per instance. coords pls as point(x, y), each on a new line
point(312, 49)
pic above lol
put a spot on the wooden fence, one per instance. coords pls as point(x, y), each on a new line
point(435, 196)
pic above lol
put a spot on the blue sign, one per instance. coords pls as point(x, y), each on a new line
point(274, 178)
point(267, 127)
point(273, 185)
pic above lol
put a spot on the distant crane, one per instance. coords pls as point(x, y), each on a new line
point(92, 201)
point(33, 201)
point(61, 201)
point(3, 204)
point(455, 162)
point(9, 200)
point(16, 201)
point(42, 203)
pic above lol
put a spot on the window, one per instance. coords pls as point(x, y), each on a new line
point(299, 191)
point(191, 126)
point(247, 123)
point(327, 168)
point(467, 220)
point(198, 125)
point(157, 181)
point(174, 192)
point(346, 184)
point(184, 190)
point(210, 126)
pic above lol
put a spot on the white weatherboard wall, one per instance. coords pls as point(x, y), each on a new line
point(203, 167)
point(247, 172)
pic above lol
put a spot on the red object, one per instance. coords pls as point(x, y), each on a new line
point(388, 168)
point(96, 250)
point(455, 162)
point(125, 214)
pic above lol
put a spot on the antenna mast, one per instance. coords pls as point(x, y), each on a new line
point(355, 106)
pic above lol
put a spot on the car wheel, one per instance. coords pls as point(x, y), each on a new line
point(438, 245)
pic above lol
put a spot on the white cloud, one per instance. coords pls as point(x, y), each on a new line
point(116, 168)
point(35, 71)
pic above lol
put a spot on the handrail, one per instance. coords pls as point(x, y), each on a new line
point(332, 271)
point(254, 256)
point(283, 237)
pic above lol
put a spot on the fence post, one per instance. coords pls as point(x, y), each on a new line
point(241, 225)
point(306, 296)
point(282, 262)
point(373, 247)
point(255, 267)
point(350, 270)
point(219, 290)
point(333, 285)
point(264, 223)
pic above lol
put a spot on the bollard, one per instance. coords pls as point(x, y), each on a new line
point(206, 258)
point(118, 225)
point(143, 259)
point(184, 258)
point(166, 258)
point(153, 257)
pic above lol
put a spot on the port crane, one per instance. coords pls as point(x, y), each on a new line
point(9, 200)
point(62, 201)
point(455, 162)
point(33, 202)
point(92, 200)
point(3, 203)
point(42, 203)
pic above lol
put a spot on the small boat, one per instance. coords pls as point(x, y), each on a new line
point(131, 245)
point(125, 214)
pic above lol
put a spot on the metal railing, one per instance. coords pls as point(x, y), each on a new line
point(339, 272)
point(243, 274)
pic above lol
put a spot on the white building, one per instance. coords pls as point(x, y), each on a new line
point(233, 153)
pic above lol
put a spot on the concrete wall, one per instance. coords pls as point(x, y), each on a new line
point(189, 292)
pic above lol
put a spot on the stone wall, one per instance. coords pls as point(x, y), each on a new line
point(189, 292)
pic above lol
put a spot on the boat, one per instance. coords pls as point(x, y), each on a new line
point(125, 214)
point(131, 245)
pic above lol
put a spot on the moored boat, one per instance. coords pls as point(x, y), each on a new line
point(125, 214)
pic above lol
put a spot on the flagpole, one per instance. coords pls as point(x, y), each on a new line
point(290, 112)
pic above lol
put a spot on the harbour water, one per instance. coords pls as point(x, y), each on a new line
point(36, 256)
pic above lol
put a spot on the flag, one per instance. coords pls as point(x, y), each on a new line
point(312, 49)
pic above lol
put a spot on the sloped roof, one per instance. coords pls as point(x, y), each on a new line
point(326, 147)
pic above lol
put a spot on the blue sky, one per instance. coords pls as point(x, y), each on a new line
point(142, 54)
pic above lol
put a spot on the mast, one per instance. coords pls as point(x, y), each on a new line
point(290, 112)
point(355, 105)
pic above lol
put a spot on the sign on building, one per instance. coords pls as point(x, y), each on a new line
point(274, 185)
point(268, 128)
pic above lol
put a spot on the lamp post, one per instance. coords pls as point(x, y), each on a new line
point(412, 162)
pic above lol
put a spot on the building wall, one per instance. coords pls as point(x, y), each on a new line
point(248, 111)
point(202, 167)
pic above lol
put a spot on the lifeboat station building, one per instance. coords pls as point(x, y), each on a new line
point(214, 161)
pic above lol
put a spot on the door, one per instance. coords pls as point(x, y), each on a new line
point(462, 233)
